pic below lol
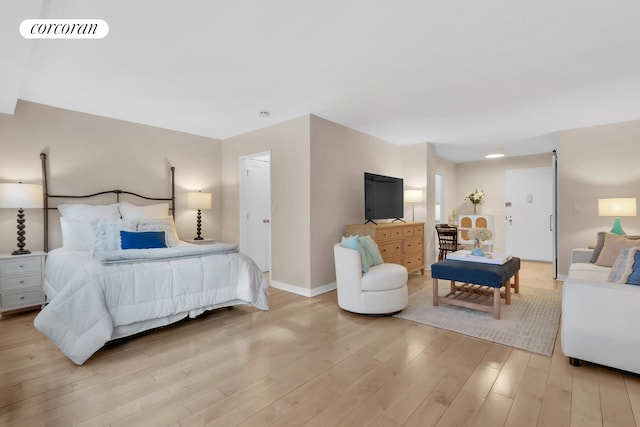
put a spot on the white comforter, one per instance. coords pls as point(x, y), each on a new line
point(89, 301)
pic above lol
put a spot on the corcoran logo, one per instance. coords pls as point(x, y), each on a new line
point(64, 29)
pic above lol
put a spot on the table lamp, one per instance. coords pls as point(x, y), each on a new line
point(617, 207)
point(199, 201)
point(20, 196)
point(413, 197)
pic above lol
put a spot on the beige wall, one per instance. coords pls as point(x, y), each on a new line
point(90, 153)
point(339, 158)
point(489, 175)
point(290, 199)
point(593, 163)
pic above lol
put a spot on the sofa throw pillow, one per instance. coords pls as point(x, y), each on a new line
point(371, 251)
point(622, 267)
point(613, 245)
point(352, 242)
point(600, 244)
point(634, 276)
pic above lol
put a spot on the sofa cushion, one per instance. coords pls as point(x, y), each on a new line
point(384, 277)
point(588, 271)
point(613, 245)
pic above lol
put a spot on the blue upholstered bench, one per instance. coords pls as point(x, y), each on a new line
point(478, 279)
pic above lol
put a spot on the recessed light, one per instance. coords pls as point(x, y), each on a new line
point(494, 154)
point(264, 114)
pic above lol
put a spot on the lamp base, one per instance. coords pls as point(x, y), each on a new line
point(617, 228)
point(21, 252)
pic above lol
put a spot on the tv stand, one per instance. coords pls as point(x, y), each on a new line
point(370, 221)
point(398, 219)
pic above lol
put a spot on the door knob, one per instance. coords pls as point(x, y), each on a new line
point(266, 221)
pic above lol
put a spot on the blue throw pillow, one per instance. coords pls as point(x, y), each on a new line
point(352, 242)
point(634, 277)
point(142, 239)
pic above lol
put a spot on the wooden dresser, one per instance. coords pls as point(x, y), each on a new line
point(399, 243)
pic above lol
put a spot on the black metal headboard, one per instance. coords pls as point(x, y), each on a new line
point(46, 196)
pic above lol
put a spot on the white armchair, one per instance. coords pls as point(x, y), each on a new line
point(382, 290)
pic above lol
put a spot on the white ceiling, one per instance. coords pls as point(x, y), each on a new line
point(466, 75)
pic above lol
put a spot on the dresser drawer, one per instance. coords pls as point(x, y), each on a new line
point(31, 280)
point(390, 250)
point(10, 267)
point(418, 230)
point(383, 234)
point(394, 260)
point(413, 245)
point(407, 231)
point(22, 299)
point(396, 233)
point(412, 262)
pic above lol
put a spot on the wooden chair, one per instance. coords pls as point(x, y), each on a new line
point(447, 240)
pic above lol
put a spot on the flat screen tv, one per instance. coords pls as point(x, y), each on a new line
point(383, 197)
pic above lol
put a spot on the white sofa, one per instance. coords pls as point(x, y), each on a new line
point(381, 290)
point(600, 319)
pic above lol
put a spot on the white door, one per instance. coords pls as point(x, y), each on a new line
point(255, 209)
point(529, 213)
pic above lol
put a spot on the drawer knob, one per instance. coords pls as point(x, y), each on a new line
point(21, 265)
point(22, 297)
point(21, 282)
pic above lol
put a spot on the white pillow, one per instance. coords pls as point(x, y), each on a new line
point(77, 234)
point(129, 211)
point(106, 233)
point(160, 224)
point(89, 212)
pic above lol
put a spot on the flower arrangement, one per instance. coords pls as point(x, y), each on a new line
point(475, 197)
point(480, 234)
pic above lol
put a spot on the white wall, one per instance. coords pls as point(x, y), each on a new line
point(489, 175)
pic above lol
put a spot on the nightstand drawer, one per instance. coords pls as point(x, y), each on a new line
point(22, 299)
point(31, 280)
point(22, 265)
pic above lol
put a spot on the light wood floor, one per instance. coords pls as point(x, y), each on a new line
point(305, 362)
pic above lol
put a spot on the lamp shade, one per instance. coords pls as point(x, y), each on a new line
point(25, 196)
point(413, 196)
point(617, 207)
point(199, 200)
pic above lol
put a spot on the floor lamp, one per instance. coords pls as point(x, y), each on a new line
point(199, 201)
point(617, 208)
point(413, 197)
point(20, 196)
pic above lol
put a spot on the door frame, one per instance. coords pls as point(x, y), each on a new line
point(263, 155)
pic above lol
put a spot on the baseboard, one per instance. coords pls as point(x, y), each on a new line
point(562, 277)
point(305, 292)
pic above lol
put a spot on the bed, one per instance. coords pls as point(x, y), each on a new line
point(122, 270)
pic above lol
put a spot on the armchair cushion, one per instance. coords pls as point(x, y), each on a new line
point(384, 277)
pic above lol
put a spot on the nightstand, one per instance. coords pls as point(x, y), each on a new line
point(21, 279)
point(204, 241)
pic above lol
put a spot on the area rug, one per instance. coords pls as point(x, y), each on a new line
point(529, 323)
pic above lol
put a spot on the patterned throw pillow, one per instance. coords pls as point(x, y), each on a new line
point(626, 268)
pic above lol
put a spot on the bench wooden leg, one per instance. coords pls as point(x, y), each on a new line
point(507, 292)
point(496, 303)
point(516, 282)
point(435, 292)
